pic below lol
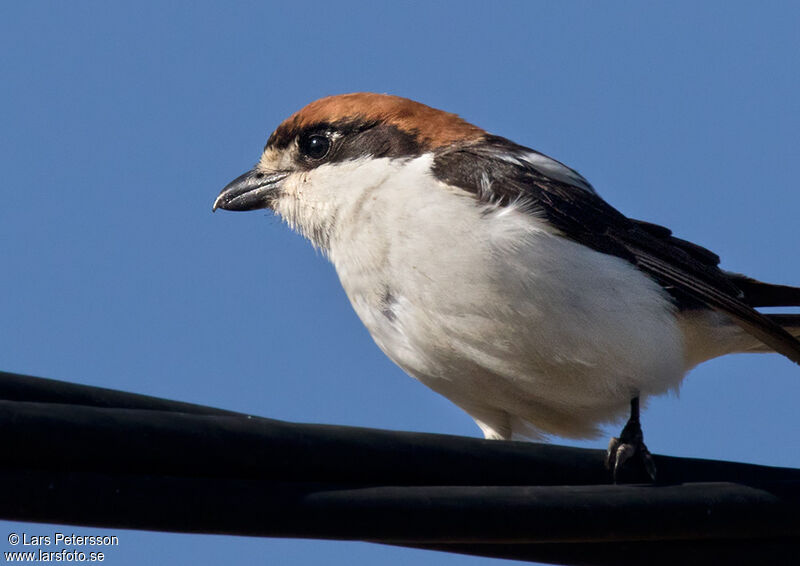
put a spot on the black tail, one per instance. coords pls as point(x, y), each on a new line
point(791, 322)
point(760, 294)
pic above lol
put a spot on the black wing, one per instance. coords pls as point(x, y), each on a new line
point(500, 171)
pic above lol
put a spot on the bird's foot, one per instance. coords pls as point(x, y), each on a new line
point(628, 457)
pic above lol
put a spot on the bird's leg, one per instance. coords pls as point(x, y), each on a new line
point(629, 451)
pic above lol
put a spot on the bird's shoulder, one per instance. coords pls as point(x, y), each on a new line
point(500, 172)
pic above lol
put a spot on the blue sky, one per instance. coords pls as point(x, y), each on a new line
point(121, 122)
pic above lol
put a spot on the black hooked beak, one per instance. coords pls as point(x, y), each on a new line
point(250, 191)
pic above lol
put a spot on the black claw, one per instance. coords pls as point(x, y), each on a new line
point(628, 457)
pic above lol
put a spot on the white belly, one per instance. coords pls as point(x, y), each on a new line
point(527, 331)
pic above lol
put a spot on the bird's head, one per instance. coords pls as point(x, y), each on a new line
point(336, 148)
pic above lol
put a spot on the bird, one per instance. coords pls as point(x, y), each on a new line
point(498, 277)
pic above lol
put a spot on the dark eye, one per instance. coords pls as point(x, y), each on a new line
point(315, 146)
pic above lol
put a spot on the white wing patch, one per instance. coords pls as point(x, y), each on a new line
point(550, 167)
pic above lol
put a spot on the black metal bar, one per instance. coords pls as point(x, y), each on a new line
point(407, 514)
point(18, 387)
point(85, 456)
point(80, 438)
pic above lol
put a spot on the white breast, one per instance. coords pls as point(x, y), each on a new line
point(527, 331)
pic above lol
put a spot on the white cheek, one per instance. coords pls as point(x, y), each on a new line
point(293, 186)
point(320, 202)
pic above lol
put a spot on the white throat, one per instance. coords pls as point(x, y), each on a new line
point(329, 202)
